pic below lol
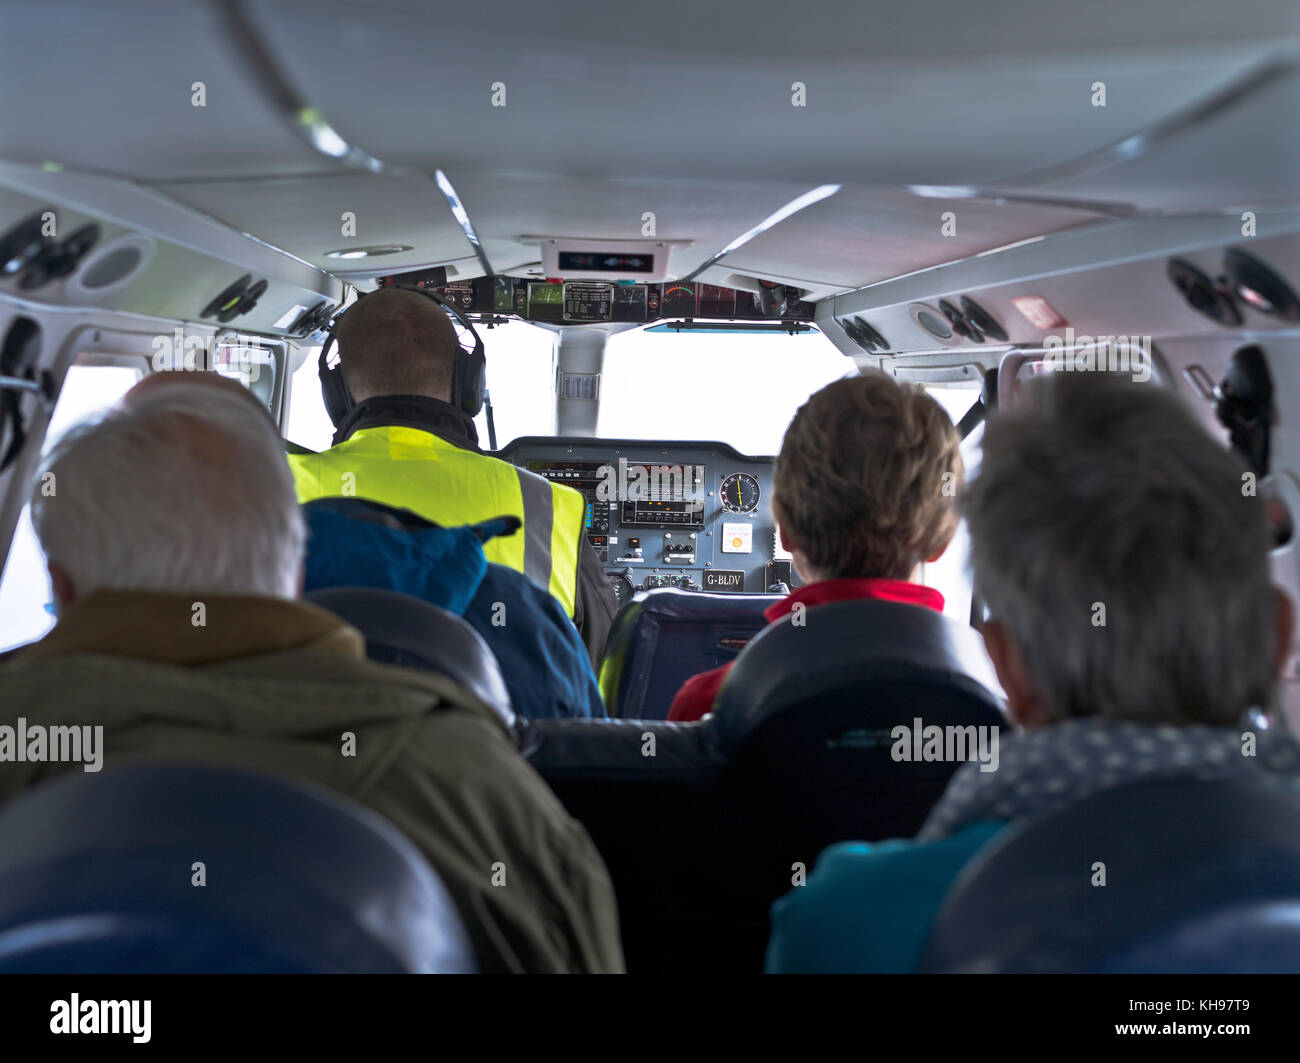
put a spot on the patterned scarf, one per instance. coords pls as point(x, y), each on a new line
point(1044, 768)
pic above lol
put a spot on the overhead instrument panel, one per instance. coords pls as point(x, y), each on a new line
point(688, 515)
point(617, 299)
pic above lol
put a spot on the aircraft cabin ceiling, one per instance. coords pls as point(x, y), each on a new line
point(612, 111)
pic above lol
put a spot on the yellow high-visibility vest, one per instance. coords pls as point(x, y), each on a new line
point(417, 470)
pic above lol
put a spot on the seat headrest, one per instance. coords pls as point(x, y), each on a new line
point(404, 630)
point(1200, 875)
point(98, 872)
point(861, 647)
point(673, 603)
point(663, 636)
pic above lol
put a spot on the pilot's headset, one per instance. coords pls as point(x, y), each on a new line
point(468, 375)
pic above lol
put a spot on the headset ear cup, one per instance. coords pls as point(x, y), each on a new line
point(333, 388)
point(471, 380)
point(468, 372)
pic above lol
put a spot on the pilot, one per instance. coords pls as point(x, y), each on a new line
point(864, 493)
point(406, 438)
point(1096, 492)
point(175, 548)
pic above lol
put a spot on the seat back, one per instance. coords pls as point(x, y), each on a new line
point(403, 630)
point(187, 868)
point(1199, 876)
point(807, 724)
point(796, 755)
point(822, 699)
point(664, 636)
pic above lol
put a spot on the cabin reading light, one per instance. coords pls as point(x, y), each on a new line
point(368, 252)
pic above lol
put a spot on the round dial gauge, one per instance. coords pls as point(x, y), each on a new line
point(739, 493)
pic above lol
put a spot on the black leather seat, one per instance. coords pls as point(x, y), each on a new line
point(97, 876)
point(1201, 876)
point(663, 636)
point(700, 823)
point(404, 630)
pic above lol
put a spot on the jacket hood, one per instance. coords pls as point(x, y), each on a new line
point(443, 566)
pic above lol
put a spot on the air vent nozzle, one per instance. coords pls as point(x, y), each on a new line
point(959, 323)
point(1202, 294)
point(982, 321)
point(872, 335)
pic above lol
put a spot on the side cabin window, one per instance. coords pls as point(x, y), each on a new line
point(89, 388)
point(25, 587)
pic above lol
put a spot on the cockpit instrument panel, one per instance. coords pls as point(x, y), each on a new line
point(687, 515)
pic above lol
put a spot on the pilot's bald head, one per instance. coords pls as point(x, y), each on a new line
point(395, 342)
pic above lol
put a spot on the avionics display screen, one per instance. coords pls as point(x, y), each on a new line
point(587, 301)
point(586, 476)
point(589, 261)
point(546, 302)
point(687, 514)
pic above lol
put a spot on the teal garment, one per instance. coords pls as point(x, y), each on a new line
point(867, 908)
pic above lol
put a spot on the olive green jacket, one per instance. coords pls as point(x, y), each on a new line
point(278, 686)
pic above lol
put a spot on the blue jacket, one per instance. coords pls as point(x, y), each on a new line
point(542, 656)
point(868, 908)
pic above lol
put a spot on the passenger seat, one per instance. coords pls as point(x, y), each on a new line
point(1201, 876)
point(664, 636)
point(703, 825)
point(190, 868)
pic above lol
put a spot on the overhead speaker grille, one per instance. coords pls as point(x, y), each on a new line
point(111, 267)
point(931, 320)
